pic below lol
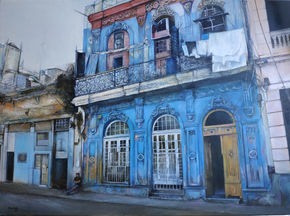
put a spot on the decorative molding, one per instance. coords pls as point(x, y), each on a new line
point(119, 26)
point(219, 101)
point(139, 112)
point(204, 3)
point(92, 159)
point(119, 17)
point(192, 156)
point(162, 11)
point(253, 154)
point(141, 19)
point(159, 3)
point(249, 111)
point(187, 5)
point(213, 90)
point(163, 109)
point(140, 157)
point(115, 115)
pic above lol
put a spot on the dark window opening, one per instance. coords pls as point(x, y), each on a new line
point(285, 101)
point(80, 67)
point(278, 14)
point(119, 40)
point(218, 118)
point(160, 46)
point(118, 62)
point(212, 19)
point(10, 166)
point(161, 29)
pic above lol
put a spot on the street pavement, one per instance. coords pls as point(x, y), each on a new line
point(20, 199)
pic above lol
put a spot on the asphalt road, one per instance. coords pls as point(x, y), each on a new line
point(19, 204)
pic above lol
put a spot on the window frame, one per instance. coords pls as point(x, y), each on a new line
point(44, 142)
point(107, 153)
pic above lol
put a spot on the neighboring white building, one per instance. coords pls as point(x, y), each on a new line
point(271, 47)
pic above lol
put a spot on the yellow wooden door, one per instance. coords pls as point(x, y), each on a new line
point(208, 168)
point(231, 165)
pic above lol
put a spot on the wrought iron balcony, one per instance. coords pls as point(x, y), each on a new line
point(134, 74)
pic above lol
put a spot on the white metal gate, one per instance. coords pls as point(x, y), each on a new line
point(116, 153)
point(167, 155)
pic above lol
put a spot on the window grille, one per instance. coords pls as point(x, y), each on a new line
point(212, 19)
point(119, 40)
point(161, 46)
point(167, 155)
point(61, 124)
point(116, 153)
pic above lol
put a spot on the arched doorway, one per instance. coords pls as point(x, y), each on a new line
point(167, 155)
point(116, 151)
point(222, 168)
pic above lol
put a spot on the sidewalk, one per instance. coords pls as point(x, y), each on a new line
point(189, 205)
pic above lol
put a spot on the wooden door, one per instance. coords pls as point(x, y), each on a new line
point(231, 165)
point(44, 170)
point(208, 167)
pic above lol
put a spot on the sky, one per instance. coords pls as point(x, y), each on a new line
point(49, 30)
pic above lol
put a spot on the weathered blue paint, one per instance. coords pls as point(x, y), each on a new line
point(23, 169)
point(228, 96)
point(188, 104)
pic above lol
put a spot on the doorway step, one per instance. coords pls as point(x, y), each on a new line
point(167, 195)
point(224, 200)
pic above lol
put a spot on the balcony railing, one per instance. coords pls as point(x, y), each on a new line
point(280, 39)
point(135, 74)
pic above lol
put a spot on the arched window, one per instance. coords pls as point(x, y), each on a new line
point(218, 118)
point(212, 19)
point(116, 150)
point(118, 40)
point(167, 155)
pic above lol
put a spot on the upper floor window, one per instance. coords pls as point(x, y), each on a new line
point(212, 19)
point(42, 139)
point(160, 29)
point(118, 40)
point(278, 14)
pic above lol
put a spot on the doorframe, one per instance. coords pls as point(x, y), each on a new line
point(240, 146)
point(150, 123)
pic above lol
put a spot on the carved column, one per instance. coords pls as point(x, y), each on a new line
point(253, 156)
point(140, 143)
point(189, 98)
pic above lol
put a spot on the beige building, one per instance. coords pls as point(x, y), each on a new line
point(269, 26)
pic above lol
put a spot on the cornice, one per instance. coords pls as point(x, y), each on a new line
point(135, 8)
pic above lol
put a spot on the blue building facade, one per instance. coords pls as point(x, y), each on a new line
point(171, 103)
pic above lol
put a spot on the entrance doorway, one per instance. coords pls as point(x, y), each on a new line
point(222, 169)
point(41, 163)
point(10, 166)
point(167, 155)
